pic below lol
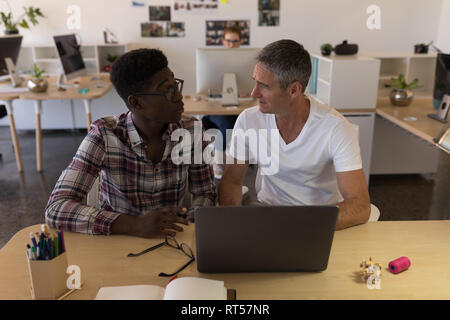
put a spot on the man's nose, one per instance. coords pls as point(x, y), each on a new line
point(255, 92)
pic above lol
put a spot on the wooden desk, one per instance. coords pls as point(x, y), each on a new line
point(8, 98)
point(103, 262)
point(95, 91)
point(423, 127)
point(203, 106)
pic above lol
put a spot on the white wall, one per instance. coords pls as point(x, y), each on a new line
point(310, 22)
point(443, 37)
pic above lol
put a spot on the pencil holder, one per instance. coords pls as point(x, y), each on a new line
point(48, 277)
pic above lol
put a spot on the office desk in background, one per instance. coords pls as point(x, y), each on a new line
point(8, 98)
point(96, 89)
point(412, 118)
point(403, 139)
point(103, 261)
point(204, 106)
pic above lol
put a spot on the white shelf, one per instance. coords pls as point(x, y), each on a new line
point(324, 81)
point(46, 57)
point(50, 60)
point(412, 66)
point(388, 77)
point(315, 97)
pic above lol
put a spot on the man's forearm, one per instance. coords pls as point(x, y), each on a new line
point(230, 194)
point(352, 212)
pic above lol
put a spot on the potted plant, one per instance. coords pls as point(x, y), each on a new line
point(402, 94)
point(110, 58)
point(326, 49)
point(11, 25)
point(37, 83)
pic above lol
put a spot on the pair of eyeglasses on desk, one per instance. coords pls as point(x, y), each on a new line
point(171, 242)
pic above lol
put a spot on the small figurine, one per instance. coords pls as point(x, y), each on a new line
point(369, 268)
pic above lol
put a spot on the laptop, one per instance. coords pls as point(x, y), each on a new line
point(264, 238)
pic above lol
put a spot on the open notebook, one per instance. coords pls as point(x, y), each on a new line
point(187, 288)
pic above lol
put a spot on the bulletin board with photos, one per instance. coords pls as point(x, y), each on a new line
point(160, 24)
point(215, 29)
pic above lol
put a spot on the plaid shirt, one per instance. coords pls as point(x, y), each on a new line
point(130, 184)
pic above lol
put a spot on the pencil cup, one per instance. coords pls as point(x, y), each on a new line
point(48, 277)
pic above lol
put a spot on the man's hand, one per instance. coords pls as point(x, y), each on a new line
point(156, 223)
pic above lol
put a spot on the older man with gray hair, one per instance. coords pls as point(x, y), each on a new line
point(314, 148)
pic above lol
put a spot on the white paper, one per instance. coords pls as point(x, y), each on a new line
point(189, 288)
point(140, 292)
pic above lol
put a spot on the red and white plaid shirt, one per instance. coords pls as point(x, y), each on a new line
point(130, 183)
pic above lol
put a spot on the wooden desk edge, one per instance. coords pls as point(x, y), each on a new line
point(406, 126)
point(8, 98)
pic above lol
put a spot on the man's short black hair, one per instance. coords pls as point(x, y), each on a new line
point(132, 72)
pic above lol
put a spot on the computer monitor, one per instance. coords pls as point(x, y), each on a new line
point(442, 78)
point(9, 48)
point(216, 69)
point(69, 52)
point(441, 94)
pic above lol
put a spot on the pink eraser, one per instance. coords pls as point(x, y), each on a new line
point(399, 265)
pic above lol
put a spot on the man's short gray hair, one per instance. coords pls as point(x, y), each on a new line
point(288, 61)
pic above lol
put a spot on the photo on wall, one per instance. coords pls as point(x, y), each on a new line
point(161, 29)
point(159, 13)
point(214, 31)
point(269, 12)
point(176, 29)
point(154, 29)
point(195, 6)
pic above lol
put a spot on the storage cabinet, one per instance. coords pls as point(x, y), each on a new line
point(345, 82)
point(398, 151)
point(412, 66)
point(365, 123)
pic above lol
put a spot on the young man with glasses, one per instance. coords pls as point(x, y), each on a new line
point(232, 37)
point(315, 149)
point(142, 189)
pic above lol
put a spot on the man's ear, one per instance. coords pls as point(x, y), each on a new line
point(133, 102)
point(296, 89)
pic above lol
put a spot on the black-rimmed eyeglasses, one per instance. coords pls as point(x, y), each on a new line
point(170, 94)
point(232, 41)
point(171, 242)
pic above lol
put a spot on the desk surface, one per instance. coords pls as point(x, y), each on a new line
point(103, 262)
point(424, 127)
point(8, 96)
point(203, 106)
point(97, 89)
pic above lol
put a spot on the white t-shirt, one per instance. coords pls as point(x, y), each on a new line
point(304, 172)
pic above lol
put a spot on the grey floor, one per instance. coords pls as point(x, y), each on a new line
point(23, 196)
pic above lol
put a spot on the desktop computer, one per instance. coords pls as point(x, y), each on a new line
point(441, 94)
point(69, 52)
point(227, 72)
point(9, 53)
